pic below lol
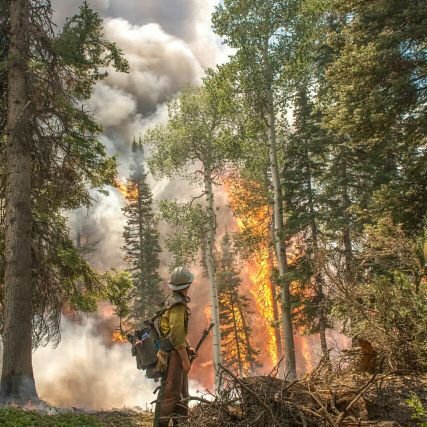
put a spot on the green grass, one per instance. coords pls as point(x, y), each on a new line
point(16, 418)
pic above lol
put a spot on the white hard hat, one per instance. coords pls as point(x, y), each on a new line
point(180, 279)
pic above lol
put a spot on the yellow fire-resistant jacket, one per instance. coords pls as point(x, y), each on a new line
point(173, 323)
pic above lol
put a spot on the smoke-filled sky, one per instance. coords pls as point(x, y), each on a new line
point(169, 44)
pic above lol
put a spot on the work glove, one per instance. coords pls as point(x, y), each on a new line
point(162, 361)
point(191, 353)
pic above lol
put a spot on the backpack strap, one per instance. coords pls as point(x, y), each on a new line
point(172, 299)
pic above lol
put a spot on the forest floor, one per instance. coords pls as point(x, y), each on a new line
point(14, 417)
point(322, 398)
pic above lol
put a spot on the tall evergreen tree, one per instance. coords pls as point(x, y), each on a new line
point(381, 109)
point(237, 350)
point(52, 157)
point(17, 373)
point(305, 156)
point(141, 238)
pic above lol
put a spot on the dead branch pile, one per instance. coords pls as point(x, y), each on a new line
point(322, 398)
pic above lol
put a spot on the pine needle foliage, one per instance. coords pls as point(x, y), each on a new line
point(68, 160)
point(141, 239)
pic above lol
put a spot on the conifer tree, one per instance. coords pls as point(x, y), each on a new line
point(141, 238)
point(237, 350)
point(51, 157)
point(380, 109)
point(304, 166)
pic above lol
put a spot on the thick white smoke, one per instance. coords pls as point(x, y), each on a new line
point(168, 45)
point(85, 372)
point(88, 371)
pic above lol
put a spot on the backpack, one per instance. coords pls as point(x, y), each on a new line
point(150, 340)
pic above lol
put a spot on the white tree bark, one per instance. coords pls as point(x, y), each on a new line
point(210, 265)
point(278, 234)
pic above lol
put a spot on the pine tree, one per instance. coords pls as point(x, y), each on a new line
point(380, 109)
point(51, 158)
point(141, 238)
point(304, 166)
point(237, 350)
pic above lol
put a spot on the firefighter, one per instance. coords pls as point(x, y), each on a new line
point(175, 351)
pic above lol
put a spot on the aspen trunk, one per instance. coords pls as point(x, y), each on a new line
point(210, 265)
point(277, 332)
point(279, 235)
point(17, 381)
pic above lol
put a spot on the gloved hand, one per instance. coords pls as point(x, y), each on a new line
point(191, 353)
point(162, 361)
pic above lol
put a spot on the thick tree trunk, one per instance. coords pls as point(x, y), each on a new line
point(17, 381)
point(210, 265)
point(279, 235)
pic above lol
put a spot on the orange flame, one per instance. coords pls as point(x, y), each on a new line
point(122, 186)
point(118, 337)
point(259, 274)
point(255, 217)
point(128, 189)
